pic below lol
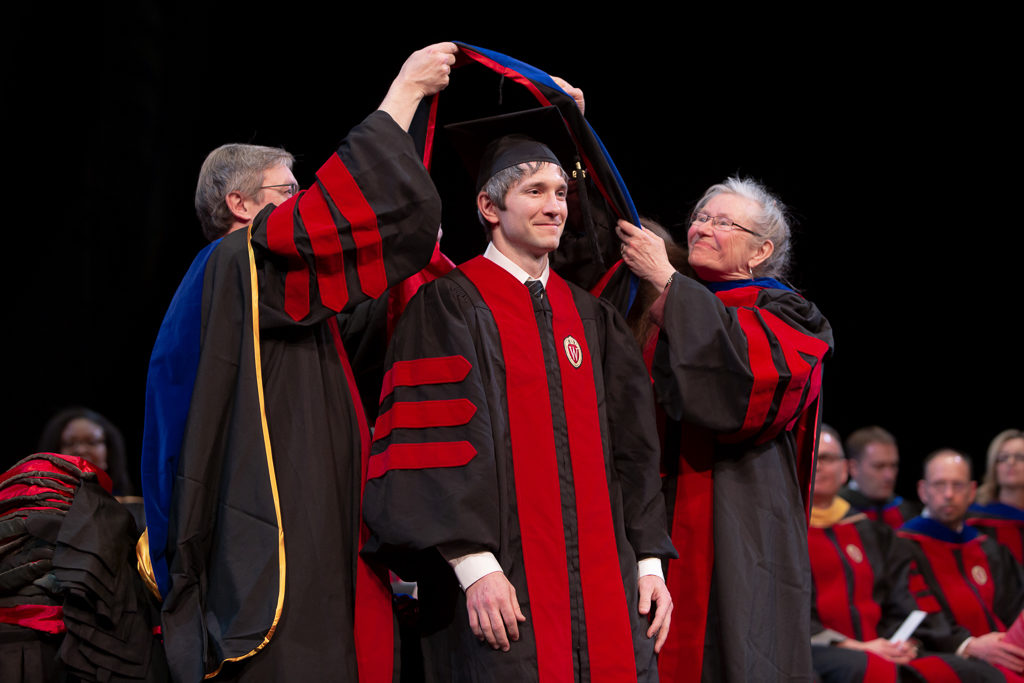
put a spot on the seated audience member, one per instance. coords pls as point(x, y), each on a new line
point(874, 462)
point(972, 579)
point(999, 510)
point(85, 433)
point(860, 570)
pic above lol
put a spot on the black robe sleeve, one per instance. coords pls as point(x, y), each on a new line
point(439, 484)
point(367, 223)
point(746, 369)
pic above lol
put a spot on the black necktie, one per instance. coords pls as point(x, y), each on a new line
point(540, 299)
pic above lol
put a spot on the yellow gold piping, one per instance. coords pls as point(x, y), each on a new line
point(254, 286)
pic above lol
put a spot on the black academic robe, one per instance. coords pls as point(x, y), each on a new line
point(894, 512)
point(861, 572)
point(975, 581)
point(536, 446)
point(254, 468)
point(738, 372)
point(1002, 522)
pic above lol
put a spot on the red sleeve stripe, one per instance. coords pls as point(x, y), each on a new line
point(346, 195)
point(326, 246)
point(411, 373)
point(45, 618)
point(416, 456)
point(423, 415)
point(766, 376)
point(281, 241)
point(792, 343)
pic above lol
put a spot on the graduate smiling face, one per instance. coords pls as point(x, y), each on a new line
point(530, 224)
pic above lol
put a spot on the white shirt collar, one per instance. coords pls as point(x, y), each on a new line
point(492, 254)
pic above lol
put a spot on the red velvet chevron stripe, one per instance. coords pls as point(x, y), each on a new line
point(423, 415)
point(343, 190)
point(410, 373)
point(415, 456)
point(326, 246)
point(281, 241)
point(45, 618)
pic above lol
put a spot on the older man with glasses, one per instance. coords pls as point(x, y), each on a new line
point(968, 576)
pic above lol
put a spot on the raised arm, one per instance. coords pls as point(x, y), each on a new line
point(425, 73)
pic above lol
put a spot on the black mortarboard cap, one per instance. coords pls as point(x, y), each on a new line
point(495, 143)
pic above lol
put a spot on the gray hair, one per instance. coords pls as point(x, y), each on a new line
point(772, 222)
point(232, 168)
point(497, 187)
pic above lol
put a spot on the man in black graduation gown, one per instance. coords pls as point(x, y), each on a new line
point(861, 571)
point(516, 441)
point(970, 578)
point(874, 461)
point(255, 441)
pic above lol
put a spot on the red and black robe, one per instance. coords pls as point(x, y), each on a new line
point(255, 442)
point(737, 370)
point(862, 573)
point(972, 579)
point(497, 433)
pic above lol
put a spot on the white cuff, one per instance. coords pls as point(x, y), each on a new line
point(469, 568)
point(649, 566)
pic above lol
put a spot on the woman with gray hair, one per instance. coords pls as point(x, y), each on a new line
point(737, 372)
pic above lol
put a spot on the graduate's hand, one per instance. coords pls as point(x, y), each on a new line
point(897, 653)
point(424, 73)
point(574, 93)
point(653, 589)
point(494, 613)
point(995, 649)
point(644, 253)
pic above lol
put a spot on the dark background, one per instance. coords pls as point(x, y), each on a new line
point(896, 148)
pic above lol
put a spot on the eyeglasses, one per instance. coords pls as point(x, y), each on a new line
point(722, 223)
point(1002, 458)
point(289, 188)
point(957, 486)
